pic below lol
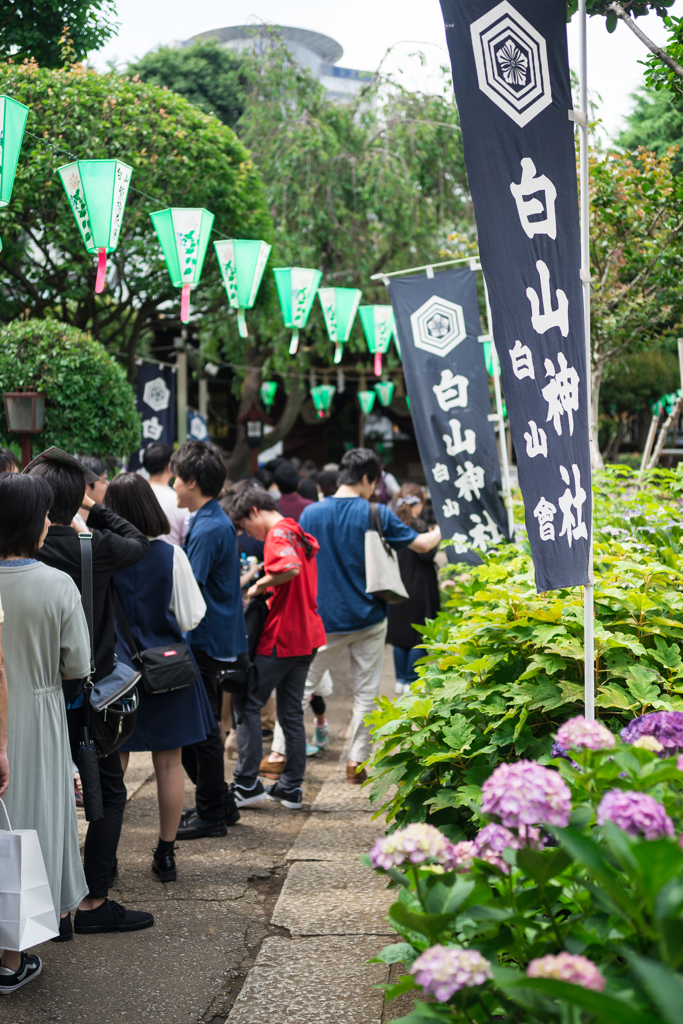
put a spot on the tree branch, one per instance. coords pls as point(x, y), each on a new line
point(674, 66)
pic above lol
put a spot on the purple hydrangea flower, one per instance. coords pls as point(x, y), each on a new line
point(665, 726)
point(577, 970)
point(492, 840)
point(679, 762)
point(579, 732)
point(526, 793)
point(635, 813)
point(416, 843)
point(460, 856)
point(443, 970)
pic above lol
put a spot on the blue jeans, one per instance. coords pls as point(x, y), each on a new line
point(404, 663)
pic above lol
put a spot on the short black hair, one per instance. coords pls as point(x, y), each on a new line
point(8, 461)
point(327, 482)
point(94, 463)
point(308, 489)
point(264, 477)
point(250, 497)
point(157, 457)
point(356, 464)
point(202, 463)
point(68, 487)
point(286, 478)
point(132, 498)
point(25, 500)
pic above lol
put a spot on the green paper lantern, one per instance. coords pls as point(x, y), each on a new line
point(242, 263)
point(366, 400)
point(408, 402)
point(296, 288)
point(385, 392)
point(340, 306)
point(379, 326)
point(322, 395)
point(97, 191)
point(268, 389)
point(488, 358)
point(183, 234)
point(12, 123)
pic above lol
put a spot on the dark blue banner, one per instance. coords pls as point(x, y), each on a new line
point(156, 401)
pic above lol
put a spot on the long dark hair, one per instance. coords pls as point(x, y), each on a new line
point(404, 502)
point(24, 503)
point(132, 498)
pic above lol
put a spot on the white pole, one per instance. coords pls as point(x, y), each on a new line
point(588, 604)
point(500, 420)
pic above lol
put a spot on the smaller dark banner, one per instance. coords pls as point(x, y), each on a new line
point(438, 326)
point(155, 390)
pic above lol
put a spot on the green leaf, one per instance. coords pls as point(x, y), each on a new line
point(459, 733)
point(542, 865)
point(397, 953)
point(663, 986)
point(429, 925)
point(604, 1009)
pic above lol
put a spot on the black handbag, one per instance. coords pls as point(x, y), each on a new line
point(110, 705)
point(162, 669)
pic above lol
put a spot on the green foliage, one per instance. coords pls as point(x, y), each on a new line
point(658, 75)
point(90, 407)
point(54, 32)
point(655, 123)
point(641, 378)
point(504, 664)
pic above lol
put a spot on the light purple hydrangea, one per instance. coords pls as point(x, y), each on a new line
point(665, 726)
point(579, 732)
point(443, 970)
point(416, 843)
point(526, 793)
point(460, 856)
point(577, 970)
point(492, 840)
point(679, 762)
point(635, 813)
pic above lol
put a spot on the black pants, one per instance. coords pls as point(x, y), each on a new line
point(102, 838)
point(203, 761)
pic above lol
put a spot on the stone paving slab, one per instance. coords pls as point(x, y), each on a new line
point(319, 898)
point(313, 981)
point(338, 835)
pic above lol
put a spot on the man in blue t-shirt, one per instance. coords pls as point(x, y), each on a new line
point(352, 618)
point(219, 643)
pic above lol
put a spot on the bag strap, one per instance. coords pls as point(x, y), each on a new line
point(85, 547)
point(125, 628)
point(376, 524)
point(6, 815)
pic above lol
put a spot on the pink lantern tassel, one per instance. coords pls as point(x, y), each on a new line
point(185, 304)
point(101, 270)
point(378, 364)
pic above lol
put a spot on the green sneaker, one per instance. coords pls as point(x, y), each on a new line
point(321, 736)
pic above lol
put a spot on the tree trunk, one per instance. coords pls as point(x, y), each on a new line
point(596, 380)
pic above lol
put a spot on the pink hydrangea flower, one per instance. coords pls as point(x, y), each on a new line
point(416, 843)
point(679, 762)
point(492, 840)
point(526, 793)
point(635, 813)
point(460, 856)
point(577, 970)
point(443, 970)
point(579, 732)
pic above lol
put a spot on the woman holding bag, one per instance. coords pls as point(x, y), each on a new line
point(45, 638)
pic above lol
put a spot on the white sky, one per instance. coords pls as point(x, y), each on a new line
point(367, 28)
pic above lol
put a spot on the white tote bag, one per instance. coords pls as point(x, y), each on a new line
point(382, 573)
point(27, 912)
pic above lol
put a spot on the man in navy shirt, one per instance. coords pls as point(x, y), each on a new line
point(220, 641)
point(354, 619)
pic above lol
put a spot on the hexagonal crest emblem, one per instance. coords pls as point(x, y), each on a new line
point(156, 394)
point(512, 63)
point(438, 326)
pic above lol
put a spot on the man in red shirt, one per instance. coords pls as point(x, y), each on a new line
point(292, 633)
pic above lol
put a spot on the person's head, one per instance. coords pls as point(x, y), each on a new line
point(360, 469)
point(94, 463)
point(410, 502)
point(263, 477)
point(327, 482)
point(286, 478)
point(199, 474)
point(254, 511)
point(68, 488)
point(309, 489)
point(307, 468)
point(156, 459)
point(25, 501)
point(132, 498)
point(8, 461)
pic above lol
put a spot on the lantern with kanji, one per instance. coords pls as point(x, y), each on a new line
point(242, 262)
point(385, 392)
point(97, 191)
point(268, 389)
point(12, 123)
point(183, 234)
point(340, 306)
point(379, 326)
point(322, 395)
point(366, 400)
point(296, 288)
point(254, 420)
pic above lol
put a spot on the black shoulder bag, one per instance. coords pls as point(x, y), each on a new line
point(163, 669)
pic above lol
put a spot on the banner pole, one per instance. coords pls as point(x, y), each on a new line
point(500, 419)
point(588, 590)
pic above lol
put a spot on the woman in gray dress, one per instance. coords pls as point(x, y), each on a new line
point(44, 638)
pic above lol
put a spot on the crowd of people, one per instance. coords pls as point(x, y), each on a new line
point(253, 589)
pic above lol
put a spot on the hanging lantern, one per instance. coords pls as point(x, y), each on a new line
point(488, 358)
point(322, 395)
point(366, 400)
point(296, 288)
point(340, 306)
point(97, 191)
point(242, 263)
point(12, 123)
point(268, 389)
point(385, 392)
point(379, 325)
point(183, 235)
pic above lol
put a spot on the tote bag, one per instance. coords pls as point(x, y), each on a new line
point(382, 573)
point(27, 912)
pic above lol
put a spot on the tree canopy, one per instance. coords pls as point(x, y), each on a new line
point(655, 123)
point(55, 32)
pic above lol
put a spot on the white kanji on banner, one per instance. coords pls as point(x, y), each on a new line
point(536, 441)
point(545, 513)
point(530, 185)
point(522, 361)
point(451, 391)
point(562, 393)
point(558, 317)
point(573, 526)
point(457, 443)
point(470, 481)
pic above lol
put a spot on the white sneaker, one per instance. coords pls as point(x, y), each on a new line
point(245, 797)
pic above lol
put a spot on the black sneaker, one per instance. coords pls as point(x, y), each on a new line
point(30, 967)
point(111, 917)
point(232, 815)
point(290, 798)
point(66, 930)
point(163, 865)
point(245, 797)
point(188, 812)
point(198, 828)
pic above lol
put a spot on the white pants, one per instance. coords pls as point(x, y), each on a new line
point(366, 651)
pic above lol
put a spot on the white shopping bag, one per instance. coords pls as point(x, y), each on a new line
point(27, 913)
